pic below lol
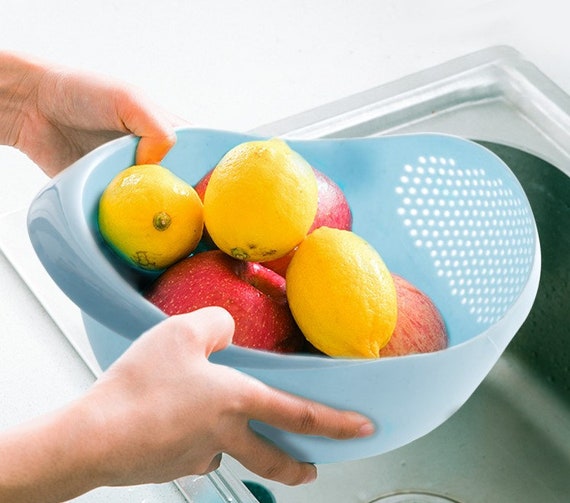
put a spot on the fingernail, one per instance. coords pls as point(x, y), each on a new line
point(365, 430)
point(311, 476)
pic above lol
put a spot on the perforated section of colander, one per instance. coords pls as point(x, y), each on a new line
point(477, 231)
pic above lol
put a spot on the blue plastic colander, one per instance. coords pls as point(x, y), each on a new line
point(443, 212)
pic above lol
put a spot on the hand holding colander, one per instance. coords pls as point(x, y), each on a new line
point(443, 212)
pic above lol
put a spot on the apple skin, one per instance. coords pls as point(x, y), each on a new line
point(420, 327)
point(333, 211)
point(202, 184)
point(254, 295)
point(206, 242)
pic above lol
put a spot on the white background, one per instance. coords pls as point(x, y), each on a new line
point(239, 64)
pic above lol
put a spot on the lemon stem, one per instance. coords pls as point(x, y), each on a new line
point(161, 221)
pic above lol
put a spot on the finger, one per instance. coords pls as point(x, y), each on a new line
point(155, 143)
point(211, 328)
point(299, 415)
point(268, 461)
point(152, 149)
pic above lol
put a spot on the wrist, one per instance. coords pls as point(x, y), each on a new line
point(54, 458)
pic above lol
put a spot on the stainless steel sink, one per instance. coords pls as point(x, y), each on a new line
point(511, 441)
point(543, 342)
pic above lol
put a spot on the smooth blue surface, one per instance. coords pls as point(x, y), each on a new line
point(443, 212)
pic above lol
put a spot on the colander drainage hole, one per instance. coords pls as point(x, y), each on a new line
point(413, 497)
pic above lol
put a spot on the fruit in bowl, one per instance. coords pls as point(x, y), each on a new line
point(420, 328)
point(341, 294)
point(260, 201)
point(150, 217)
point(254, 295)
point(338, 297)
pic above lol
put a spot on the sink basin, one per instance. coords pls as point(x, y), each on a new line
point(510, 442)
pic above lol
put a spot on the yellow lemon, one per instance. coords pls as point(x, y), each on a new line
point(341, 294)
point(260, 201)
point(150, 216)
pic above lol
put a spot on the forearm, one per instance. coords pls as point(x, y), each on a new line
point(19, 78)
point(52, 459)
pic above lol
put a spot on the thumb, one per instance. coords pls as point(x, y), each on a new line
point(157, 137)
point(154, 126)
point(152, 149)
point(211, 328)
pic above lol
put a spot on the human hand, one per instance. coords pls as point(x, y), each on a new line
point(163, 411)
point(166, 411)
point(56, 115)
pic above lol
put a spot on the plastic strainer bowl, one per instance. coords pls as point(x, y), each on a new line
point(443, 212)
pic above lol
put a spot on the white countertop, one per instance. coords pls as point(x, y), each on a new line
point(227, 65)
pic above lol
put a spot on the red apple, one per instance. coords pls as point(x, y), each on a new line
point(206, 242)
point(254, 295)
point(200, 187)
point(333, 209)
point(420, 327)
